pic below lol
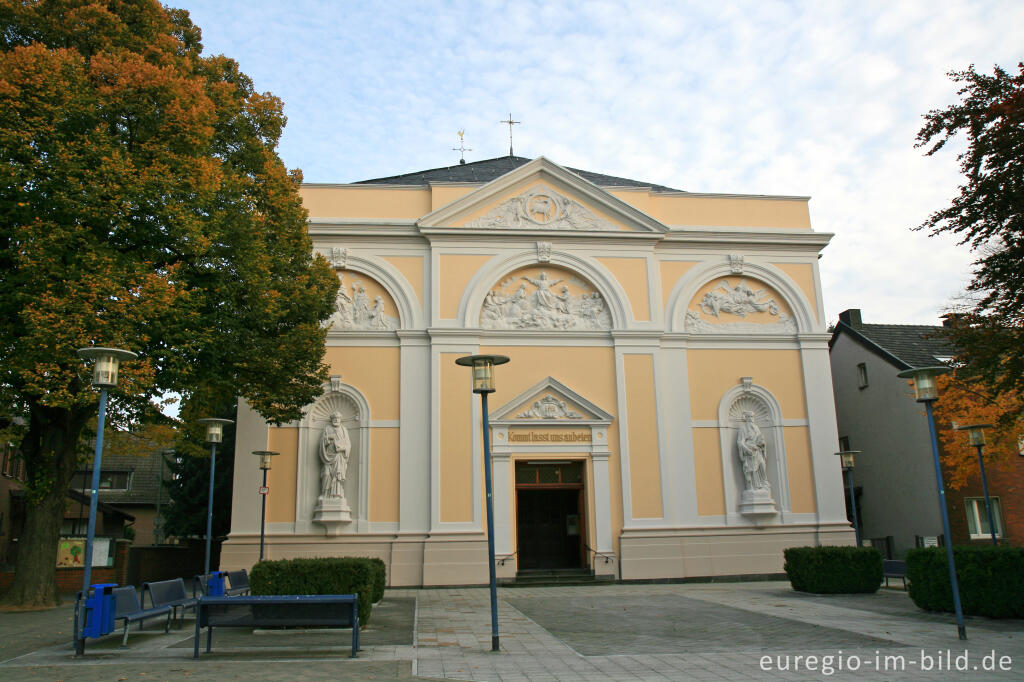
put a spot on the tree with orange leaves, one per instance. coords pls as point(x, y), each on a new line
point(963, 403)
point(142, 206)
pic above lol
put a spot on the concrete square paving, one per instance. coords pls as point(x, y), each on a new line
point(726, 631)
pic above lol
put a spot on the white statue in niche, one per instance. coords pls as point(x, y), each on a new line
point(335, 448)
point(751, 446)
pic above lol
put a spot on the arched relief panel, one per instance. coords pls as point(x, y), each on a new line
point(355, 417)
point(544, 297)
point(745, 399)
point(580, 276)
point(399, 306)
point(749, 298)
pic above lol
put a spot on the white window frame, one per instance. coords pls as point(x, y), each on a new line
point(862, 375)
point(974, 507)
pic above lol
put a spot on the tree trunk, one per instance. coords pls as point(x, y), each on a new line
point(50, 450)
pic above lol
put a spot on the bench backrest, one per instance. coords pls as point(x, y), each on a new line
point(238, 579)
point(127, 601)
point(164, 592)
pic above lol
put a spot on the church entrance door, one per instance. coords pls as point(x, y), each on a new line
point(549, 515)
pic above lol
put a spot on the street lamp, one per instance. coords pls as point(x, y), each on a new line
point(214, 435)
point(265, 457)
point(104, 375)
point(483, 383)
point(976, 437)
point(846, 460)
point(926, 391)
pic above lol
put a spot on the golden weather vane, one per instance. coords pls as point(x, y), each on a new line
point(462, 148)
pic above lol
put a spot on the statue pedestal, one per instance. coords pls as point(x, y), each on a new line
point(332, 513)
point(757, 503)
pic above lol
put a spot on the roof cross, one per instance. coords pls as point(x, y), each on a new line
point(462, 148)
point(510, 123)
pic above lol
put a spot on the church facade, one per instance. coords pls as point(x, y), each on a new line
point(667, 410)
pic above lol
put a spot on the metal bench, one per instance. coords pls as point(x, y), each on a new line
point(238, 582)
point(274, 611)
point(893, 568)
point(169, 593)
point(128, 608)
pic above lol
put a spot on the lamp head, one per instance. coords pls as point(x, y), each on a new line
point(106, 362)
point(215, 429)
point(925, 388)
point(483, 370)
point(975, 433)
point(265, 457)
point(846, 458)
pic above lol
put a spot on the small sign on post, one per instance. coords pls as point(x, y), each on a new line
point(264, 490)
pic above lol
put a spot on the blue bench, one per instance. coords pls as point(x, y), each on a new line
point(275, 611)
point(169, 593)
point(128, 608)
point(893, 568)
point(238, 583)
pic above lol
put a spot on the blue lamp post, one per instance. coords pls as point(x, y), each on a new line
point(926, 391)
point(976, 437)
point(214, 435)
point(106, 362)
point(483, 383)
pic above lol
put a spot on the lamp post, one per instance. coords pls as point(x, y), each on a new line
point(846, 459)
point(976, 437)
point(265, 457)
point(483, 383)
point(214, 435)
point(926, 391)
point(106, 362)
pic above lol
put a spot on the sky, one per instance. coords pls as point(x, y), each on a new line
point(821, 99)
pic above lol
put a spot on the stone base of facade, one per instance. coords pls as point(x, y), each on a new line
point(421, 560)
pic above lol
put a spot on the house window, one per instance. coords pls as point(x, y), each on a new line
point(862, 375)
point(977, 517)
point(109, 480)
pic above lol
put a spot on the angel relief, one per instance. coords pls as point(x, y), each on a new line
point(354, 310)
point(737, 300)
point(543, 308)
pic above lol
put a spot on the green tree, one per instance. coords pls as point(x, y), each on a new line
point(142, 206)
point(987, 215)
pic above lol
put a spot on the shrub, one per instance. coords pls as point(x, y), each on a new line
point(380, 577)
point(834, 570)
point(991, 580)
point(343, 575)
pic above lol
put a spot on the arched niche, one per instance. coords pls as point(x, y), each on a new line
point(748, 397)
point(587, 273)
point(355, 417)
point(757, 299)
point(379, 279)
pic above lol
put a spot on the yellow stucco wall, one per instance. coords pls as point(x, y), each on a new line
point(632, 276)
point(800, 468)
point(644, 467)
point(803, 275)
point(441, 195)
point(730, 211)
point(671, 272)
point(707, 465)
point(365, 202)
point(411, 268)
point(639, 199)
point(455, 272)
point(714, 371)
point(456, 441)
point(384, 482)
point(374, 372)
point(281, 479)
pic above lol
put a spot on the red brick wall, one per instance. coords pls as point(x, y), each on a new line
point(69, 580)
point(1006, 483)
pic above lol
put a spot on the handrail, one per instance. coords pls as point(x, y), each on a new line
point(607, 556)
point(502, 560)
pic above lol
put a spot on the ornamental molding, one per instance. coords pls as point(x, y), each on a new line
point(736, 263)
point(549, 407)
point(547, 402)
point(544, 252)
point(337, 256)
point(543, 208)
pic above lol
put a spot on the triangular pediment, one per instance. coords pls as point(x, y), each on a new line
point(541, 196)
point(549, 403)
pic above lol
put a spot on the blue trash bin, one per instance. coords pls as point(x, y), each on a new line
point(99, 610)
point(215, 584)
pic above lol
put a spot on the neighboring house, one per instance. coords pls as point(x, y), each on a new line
point(894, 476)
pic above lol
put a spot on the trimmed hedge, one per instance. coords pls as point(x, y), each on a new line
point(991, 580)
point(342, 575)
point(380, 577)
point(834, 570)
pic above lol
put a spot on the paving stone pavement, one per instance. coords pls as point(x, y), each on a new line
point(726, 631)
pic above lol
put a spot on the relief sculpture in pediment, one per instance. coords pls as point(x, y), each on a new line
point(542, 208)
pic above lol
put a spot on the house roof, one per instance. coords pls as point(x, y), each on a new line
point(904, 345)
point(491, 169)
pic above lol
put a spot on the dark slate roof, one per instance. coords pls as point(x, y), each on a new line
point(491, 169)
point(904, 345)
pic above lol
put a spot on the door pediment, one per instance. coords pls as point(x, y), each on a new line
point(541, 196)
point(550, 403)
